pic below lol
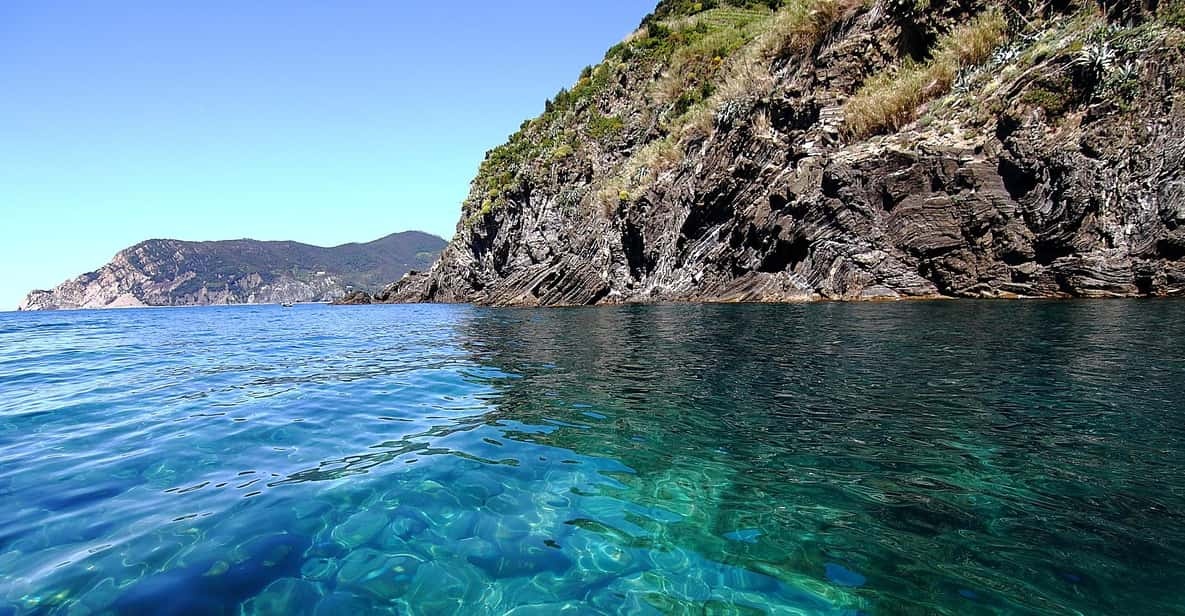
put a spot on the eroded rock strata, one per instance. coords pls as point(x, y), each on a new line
point(1040, 155)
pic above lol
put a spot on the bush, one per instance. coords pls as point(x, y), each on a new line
point(698, 66)
point(561, 100)
point(890, 99)
point(564, 151)
point(610, 196)
point(1055, 102)
point(1172, 13)
point(601, 127)
point(690, 98)
point(593, 80)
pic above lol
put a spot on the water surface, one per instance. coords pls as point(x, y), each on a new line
point(915, 458)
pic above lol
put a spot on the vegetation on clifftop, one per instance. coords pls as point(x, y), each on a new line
point(694, 67)
point(655, 91)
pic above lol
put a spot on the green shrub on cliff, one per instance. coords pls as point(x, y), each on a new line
point(1172, 13)
point(563, 151)
point(602, 127)
point(695, 66)
point(1055, 100)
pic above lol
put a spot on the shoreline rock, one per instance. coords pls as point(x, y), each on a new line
point(353, 298)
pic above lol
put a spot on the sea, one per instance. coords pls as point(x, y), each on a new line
point(944, 457)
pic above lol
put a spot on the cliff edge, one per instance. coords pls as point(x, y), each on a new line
point(842, 149)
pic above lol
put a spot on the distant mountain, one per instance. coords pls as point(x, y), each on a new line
point(179, 273)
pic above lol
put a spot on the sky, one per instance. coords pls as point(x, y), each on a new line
point(324, 122)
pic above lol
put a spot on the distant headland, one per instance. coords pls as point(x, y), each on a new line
point(163, 272)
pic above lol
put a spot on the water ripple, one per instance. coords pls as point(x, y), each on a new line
point(948, 458)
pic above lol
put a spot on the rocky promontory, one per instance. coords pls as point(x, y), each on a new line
point(179, 273)
point(800, 150)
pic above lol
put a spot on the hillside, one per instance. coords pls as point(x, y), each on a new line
point(179, 273)
point(843, 149)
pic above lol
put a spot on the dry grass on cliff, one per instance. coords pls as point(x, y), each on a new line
point(654, 159)
point(731, 53)
point(762, 126)
point(800, 26)
point(746, 73)
point(890, 99)
point(797, 28)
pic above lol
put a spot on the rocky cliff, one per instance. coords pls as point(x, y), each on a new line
point(177, 273)
point(843, 149)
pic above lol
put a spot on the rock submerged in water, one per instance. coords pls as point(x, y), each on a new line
point(378, 574)
point(284, 596)
point(359, 528)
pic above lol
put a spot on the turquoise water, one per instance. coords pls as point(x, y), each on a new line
point(917, 458)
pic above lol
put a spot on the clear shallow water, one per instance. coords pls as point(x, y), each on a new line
point(960, 458)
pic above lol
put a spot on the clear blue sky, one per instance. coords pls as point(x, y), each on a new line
point(319, 121)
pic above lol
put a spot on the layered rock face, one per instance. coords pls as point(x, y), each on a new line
point(177, 273)
point(1043, 158)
